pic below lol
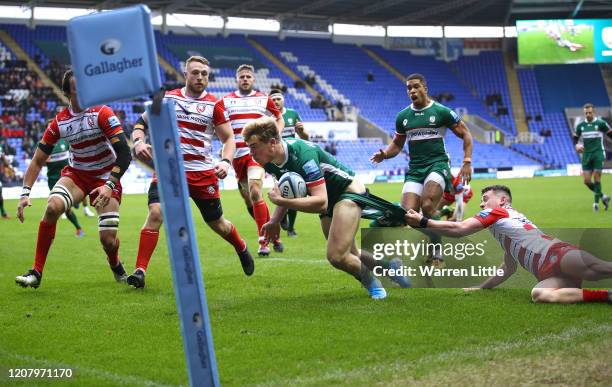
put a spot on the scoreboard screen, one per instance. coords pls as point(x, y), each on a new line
point(564, 41)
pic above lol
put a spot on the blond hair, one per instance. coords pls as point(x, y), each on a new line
point(197, 58)
point(245, 67)
point(264, 128)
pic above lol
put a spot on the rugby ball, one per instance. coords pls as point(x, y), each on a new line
point(292, 186)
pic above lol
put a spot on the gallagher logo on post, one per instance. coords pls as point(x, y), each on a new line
point(110, 46)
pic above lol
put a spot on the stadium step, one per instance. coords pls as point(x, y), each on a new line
point(8, 41)
point(170, 69)
point(278, 63)
point(516, 96)
point(384, 63)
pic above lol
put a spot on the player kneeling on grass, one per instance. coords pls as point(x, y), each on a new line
point(559, 266)
point(330, 186)
point(100, 156)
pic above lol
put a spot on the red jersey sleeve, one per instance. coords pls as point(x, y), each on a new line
point(489, 217)
point(220, 115)
point(51, 135)
point(271, 107)
point(108, 122)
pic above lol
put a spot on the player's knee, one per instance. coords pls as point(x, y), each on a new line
point(335, 257)
point(428, 207)
point(155, 218)
point(255, 193)
point(55, 207)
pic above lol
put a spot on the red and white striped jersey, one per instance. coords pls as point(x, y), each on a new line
point(196, 119)
point(518, 236)
point(88, 134)
point(242, 109)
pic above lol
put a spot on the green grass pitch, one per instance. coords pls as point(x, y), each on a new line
point(536, 47)
point(297, 321)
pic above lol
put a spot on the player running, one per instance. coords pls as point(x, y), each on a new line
point(100, 156)
point(592, 131)
point(332, 188)
point(294, 128)
point(559, 266)
point(198, 120)
point(424, 124)
point(242, 106)
point(58, 159)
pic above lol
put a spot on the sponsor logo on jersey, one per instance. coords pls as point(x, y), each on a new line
point(312, 170)
point(432, 119)
point(405, 122)
point(200, 108)
point(113, 121)
point(290, 120)
point(110, 46)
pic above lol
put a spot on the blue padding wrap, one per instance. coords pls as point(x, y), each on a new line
point(113, 55)
point(182, 244)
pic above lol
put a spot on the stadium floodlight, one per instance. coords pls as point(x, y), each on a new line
point(121, 62)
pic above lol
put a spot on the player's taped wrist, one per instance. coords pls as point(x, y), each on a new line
point(137, 141)
point(25, 191)
point(229, 163)
point(110, 185)
point(423, 222)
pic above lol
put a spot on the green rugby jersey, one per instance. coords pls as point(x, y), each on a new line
point(316, 167)
point(291, 118)
point(592, 134)
point(59, 158)
point(425, 129)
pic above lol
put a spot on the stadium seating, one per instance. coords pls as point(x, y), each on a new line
point(558, 149)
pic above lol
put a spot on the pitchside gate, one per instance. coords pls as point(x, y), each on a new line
point(114, 57)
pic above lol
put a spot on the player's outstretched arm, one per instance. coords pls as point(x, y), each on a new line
point(452, 229)
point(462, 131)
point(301, 132)
point(38, 161)
point(392, 150)
point(509, 268)
point(226, 136)
point(315, 203)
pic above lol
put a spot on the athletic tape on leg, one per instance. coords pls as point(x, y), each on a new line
point(182, 245)
point(113, 55)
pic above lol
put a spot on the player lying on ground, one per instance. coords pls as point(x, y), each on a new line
point(459, 196)
point(294, 128)
point(100, 155)
point(592, 131)
point(559, 267)
point(423, 124)
point(330, 187)
point(198, 121)
point(242, 106)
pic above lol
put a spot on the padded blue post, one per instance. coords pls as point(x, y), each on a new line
point(113, 55)
point(182, 245)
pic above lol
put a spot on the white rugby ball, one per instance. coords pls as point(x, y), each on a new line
point(292, 186)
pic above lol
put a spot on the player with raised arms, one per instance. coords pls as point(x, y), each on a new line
point(294, 128)
point(100, 155)
point(332, 190)
point(423, 125)
point(198, 120)
point(243, 106)
point(592, 131)
point(559, 267)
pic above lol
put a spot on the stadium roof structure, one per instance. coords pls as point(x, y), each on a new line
point(382, 12)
